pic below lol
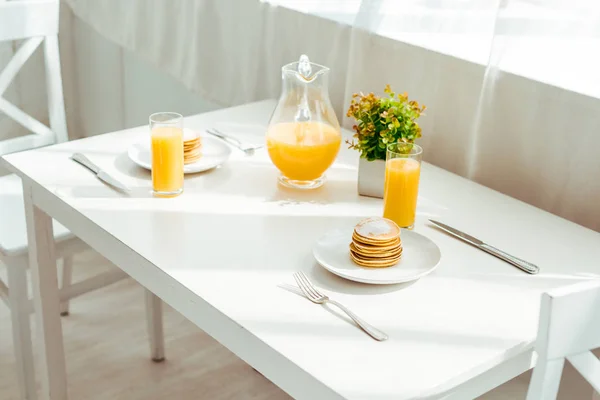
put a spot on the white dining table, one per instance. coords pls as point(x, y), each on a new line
point(220, 252)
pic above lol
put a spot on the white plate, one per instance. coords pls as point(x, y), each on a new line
point(214, 153)
point(420, 256)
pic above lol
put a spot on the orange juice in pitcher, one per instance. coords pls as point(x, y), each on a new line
point(303, 151)
point(303, 137)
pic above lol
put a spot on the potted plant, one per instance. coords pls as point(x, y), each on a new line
point(380, 121)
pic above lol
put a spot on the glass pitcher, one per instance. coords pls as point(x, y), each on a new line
point(303, 137)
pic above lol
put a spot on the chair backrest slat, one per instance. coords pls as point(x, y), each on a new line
point(36, 21)
point(28, 18)
point(23, 143)
point(572, 320)
point(588, 366)
point(569, 328)
point(56, 102)
point(17, 61)
point(24, 119)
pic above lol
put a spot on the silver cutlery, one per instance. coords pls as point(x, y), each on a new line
point(100, 174)
point(314, 295)
point(517, 262)
point(246, 148)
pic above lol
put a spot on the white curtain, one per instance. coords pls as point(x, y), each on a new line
point(512, 86)
point(544, 57)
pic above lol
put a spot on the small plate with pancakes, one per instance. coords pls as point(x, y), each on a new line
point(377, 251)
point(200, 152)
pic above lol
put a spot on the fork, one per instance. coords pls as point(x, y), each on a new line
point(248, 149)
point(314, 295)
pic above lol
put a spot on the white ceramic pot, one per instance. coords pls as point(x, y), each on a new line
point(371, 177)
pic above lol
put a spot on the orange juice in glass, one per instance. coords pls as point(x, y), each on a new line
point(166, 133)
point(303, 151)
point(402, 173)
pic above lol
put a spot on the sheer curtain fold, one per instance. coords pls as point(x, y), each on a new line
point(542, 76)
point(512, 89)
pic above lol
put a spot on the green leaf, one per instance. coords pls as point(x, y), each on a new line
point(380, 121)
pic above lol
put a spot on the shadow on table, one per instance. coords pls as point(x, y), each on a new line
point(544, 280)
point(101, 192)
point(258, 179)
point(331, 282)
point(124, 165)
point(398, 333)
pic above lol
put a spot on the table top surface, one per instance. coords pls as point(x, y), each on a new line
point(235, 235)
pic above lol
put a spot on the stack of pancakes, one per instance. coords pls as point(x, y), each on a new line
point(192, 147)
point(376, 243)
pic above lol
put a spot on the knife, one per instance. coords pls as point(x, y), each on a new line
point(100, 174)
point(517, 262)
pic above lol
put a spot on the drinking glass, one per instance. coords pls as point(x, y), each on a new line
point(402, 172)
point(166, 132)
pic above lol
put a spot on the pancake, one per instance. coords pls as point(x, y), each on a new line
point(191, 160)
point(375, 260)
point(192, 141)
point(377, 230)
point(370, 248)
point(192, 147)
point(376, 254)
point(374, 263)
point(192, 157)
point(373, 243)
point(376, 243)
point(193, 153)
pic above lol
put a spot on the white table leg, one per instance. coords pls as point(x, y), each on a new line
point(46, 299)
point(67, 275)
point(155, 326)
point(21, 329)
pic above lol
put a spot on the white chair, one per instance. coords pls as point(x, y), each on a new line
point(569, 328)
point(36, 21)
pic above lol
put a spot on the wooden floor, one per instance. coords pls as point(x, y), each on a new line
point(108, 355)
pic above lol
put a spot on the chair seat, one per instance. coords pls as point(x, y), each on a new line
point(13, 228)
